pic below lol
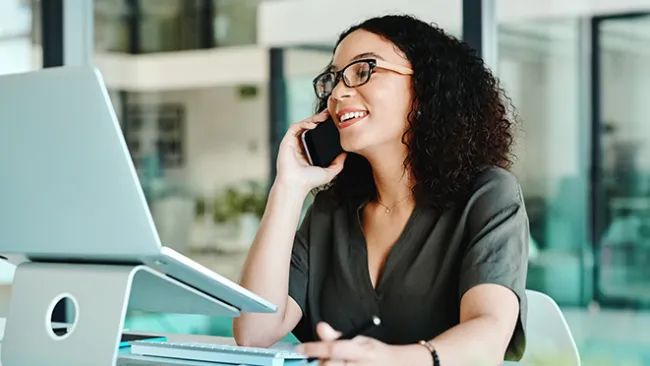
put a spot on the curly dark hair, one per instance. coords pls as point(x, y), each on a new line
point(459, 122)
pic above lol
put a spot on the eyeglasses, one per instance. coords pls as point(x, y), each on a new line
point(355, 74)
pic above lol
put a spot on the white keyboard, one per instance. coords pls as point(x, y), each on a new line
point(223, 353)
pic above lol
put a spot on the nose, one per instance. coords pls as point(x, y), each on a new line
point(341, 91)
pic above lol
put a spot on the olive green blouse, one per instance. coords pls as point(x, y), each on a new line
point(434, 262)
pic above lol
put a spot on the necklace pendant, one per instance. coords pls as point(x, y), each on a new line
point(388, 210)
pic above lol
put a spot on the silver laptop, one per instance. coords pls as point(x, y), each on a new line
point(69, 190)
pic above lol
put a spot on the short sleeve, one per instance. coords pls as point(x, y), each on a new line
point(299, 268)
point(497, 253)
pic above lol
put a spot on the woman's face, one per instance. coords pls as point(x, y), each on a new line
point(382, 104)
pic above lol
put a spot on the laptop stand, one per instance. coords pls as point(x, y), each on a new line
point(101, 293)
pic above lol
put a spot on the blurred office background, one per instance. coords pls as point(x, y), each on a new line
point(204, 90)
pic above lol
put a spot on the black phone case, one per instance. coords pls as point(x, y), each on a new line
point(323, 143)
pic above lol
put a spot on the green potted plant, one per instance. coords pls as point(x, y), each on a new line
point(252, 204)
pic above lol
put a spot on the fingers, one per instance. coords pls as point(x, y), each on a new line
point(320, 117)
point(337, 165)
point(349, 350)
point(309, 123)
point(300, 127)
point(326, 332)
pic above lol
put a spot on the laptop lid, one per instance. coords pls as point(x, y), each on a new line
point(69, 188)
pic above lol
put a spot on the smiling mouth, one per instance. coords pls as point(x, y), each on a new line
point(349, 118)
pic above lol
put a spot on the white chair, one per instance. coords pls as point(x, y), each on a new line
point(548, 338)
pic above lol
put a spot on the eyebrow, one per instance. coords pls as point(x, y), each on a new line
point(360, 56)
point(366, 55)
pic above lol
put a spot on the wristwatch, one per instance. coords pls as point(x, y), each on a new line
point(432, 350)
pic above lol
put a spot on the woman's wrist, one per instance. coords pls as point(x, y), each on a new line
point(288, 192)
point(290, 188)
point(415, 355)
point(432, 351)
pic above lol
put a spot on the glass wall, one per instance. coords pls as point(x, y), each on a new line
point(174, 25)
point(538, 66)
point(624, 248)
point(19, 38)
point(235, 22)
point(112, 19)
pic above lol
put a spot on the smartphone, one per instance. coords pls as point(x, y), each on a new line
point(322, 144)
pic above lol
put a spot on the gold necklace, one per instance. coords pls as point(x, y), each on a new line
point(389, 209)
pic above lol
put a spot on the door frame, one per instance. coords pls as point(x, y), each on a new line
point(597, 198)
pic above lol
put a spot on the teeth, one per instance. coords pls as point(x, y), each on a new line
point(351, 115)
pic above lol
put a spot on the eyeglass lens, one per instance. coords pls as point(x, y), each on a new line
point(354, 75)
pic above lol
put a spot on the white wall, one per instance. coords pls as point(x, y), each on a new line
point(226, 137)
point(16, 55)
point(184, 70)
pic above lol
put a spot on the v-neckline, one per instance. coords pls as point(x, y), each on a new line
point(393, 252)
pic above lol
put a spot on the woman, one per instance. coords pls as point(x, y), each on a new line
point(419, 221)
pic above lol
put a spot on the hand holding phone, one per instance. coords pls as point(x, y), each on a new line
point(322, 144)
point(305, 151)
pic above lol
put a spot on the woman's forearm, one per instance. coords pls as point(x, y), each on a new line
point(266, 271)
point(471, 343)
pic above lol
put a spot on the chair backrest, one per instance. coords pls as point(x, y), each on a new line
point(548, 338)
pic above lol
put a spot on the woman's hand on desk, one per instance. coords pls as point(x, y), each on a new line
point(361, 351)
